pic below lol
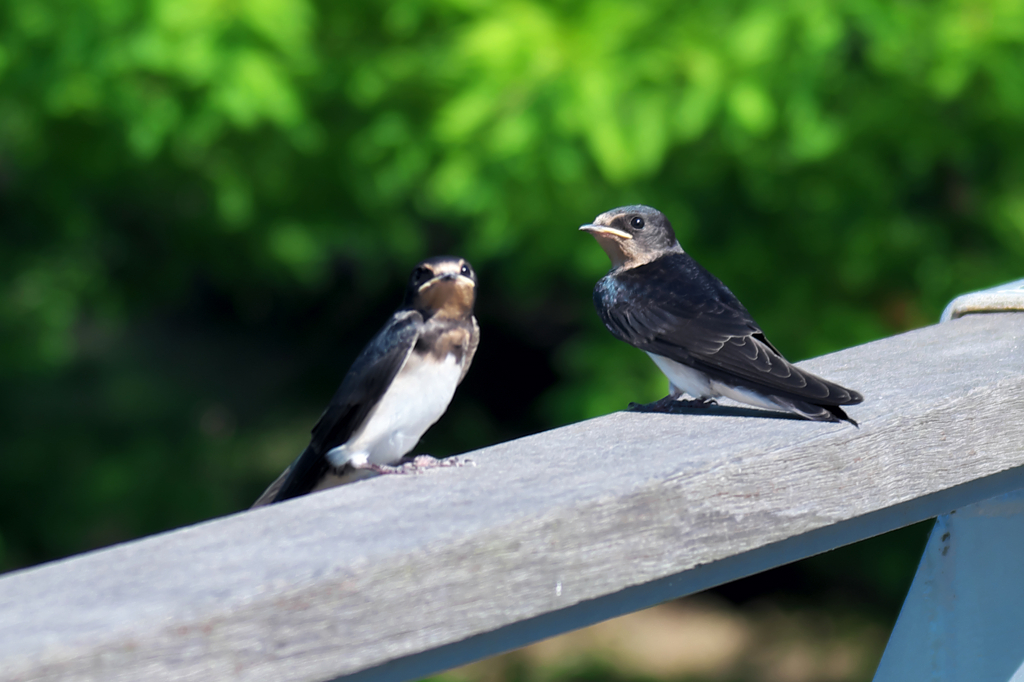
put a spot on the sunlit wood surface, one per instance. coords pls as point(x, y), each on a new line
point(399, 577)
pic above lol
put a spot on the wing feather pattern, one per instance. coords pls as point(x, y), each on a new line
point(370, 375)
point(474, 342)
point(675, 308)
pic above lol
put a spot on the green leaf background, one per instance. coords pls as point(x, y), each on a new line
point(209, 206)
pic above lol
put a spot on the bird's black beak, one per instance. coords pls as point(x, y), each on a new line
point(606, 230)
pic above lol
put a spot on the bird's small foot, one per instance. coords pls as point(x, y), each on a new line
point(663, 405)
point(670, 404)
point(419, 464)
point(429, 462)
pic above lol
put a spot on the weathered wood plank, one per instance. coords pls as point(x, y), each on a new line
point(550, 532)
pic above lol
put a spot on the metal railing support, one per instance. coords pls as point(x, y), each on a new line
point(963, 618)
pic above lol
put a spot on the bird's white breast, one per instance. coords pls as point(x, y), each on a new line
point(417, 398)
point(683, 379)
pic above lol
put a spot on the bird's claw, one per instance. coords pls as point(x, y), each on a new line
point(420, 464)
point(670, 404)
point(431, 462)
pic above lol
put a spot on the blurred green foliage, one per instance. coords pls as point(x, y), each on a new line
point(209, 206)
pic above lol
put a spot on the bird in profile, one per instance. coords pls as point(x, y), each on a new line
point(659, 299)
point(398, 386)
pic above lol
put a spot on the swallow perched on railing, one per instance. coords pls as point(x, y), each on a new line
point(398, 386)
point(659, 299)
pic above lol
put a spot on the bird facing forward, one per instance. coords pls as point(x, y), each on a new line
point(659, 299)
point(398, 386)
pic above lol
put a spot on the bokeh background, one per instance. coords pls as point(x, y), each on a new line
point(208, 206)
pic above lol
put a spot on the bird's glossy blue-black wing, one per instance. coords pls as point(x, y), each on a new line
point(676, 309)
point(365, 383)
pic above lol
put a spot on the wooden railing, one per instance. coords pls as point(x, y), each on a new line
point(400, 577)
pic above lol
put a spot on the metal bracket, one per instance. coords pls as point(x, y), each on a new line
point(963, 620)
point(1001, 299)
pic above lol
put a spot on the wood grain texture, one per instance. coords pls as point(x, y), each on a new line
point(564, 522)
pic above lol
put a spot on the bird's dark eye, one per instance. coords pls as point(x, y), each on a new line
point(466, 271)
point(636, 222)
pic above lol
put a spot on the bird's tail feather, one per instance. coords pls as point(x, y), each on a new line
point(814, 412)
point(298, 479)
point(270, 494)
